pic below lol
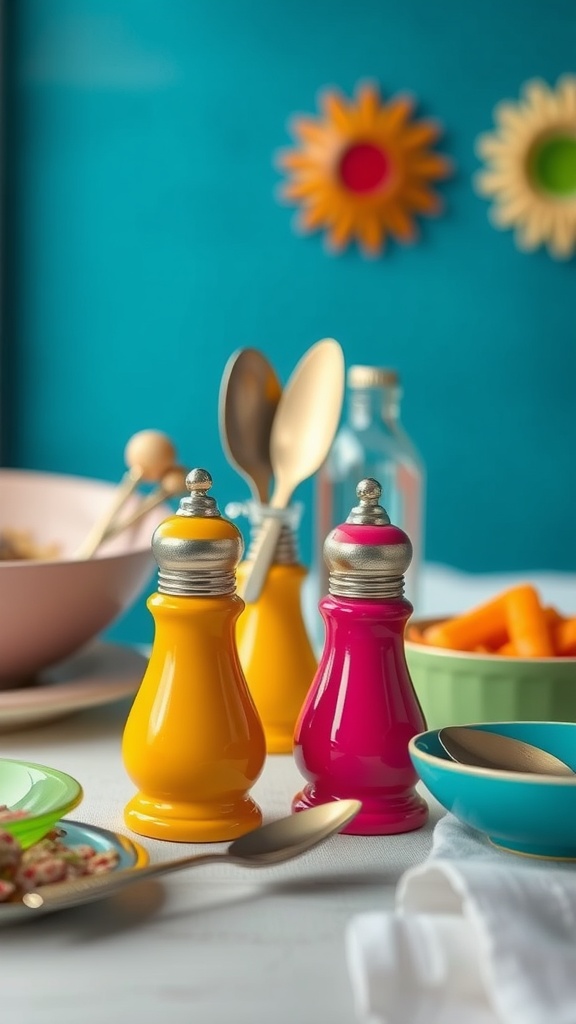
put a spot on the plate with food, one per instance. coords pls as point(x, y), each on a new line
point(71, 850)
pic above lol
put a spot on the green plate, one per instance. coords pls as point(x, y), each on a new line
point(44, 793)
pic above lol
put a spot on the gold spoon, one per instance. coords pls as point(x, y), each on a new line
point(483, 749)
point(270, 844)
point(304, 426)
point(148, 455)
point(249, 394)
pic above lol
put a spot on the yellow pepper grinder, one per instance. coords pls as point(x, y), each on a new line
point(273, 643)
point(194, 743)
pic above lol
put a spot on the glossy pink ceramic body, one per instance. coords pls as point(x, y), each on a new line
point(351, 738)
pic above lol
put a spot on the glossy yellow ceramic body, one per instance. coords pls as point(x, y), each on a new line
point(193, 743)
point(276, 653)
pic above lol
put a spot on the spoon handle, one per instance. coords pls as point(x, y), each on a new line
point(265, 546)
point(60, 895)
point(125, 489)
point(147, 504)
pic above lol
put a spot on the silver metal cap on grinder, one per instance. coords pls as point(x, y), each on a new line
point(367, 555)
point(197, 550)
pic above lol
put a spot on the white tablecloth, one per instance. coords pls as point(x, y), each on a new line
point(215, 945)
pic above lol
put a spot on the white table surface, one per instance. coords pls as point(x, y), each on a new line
point(218, 944)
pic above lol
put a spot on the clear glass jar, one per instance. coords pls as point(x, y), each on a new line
point(371, 442)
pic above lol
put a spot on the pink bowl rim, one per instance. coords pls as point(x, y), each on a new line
point(34, 563)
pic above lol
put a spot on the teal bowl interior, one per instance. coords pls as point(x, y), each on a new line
point(522, 813)
point(43, 793)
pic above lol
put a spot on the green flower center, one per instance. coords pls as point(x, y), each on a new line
point(554, 166)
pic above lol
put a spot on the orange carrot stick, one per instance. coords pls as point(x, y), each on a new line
point(415, 635)
point(553, 616)
point(508, 650)
point(565, 637)
point(527, 625)
point(484, 625)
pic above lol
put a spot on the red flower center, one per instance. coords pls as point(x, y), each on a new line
point(364, 167)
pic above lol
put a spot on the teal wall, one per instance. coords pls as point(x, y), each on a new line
point(144, 244)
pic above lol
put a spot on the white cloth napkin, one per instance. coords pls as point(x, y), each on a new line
point(477, 936)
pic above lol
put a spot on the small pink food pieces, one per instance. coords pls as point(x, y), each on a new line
point(46, 862)
point(9, 814)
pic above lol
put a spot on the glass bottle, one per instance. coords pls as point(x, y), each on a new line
point(371, 442)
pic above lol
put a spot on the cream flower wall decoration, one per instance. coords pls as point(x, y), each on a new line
point(530, 171)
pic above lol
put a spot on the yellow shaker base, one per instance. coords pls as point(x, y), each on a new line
point(279, 741)
point(191, 822)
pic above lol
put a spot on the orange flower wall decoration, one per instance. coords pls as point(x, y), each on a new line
point(363, 171)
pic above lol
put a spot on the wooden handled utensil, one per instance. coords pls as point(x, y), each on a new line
point(172, 484)
point(148, 455)
point(303, 429)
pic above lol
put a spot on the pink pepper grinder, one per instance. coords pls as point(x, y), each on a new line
point(351, 737)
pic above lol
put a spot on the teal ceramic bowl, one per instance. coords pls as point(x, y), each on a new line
point(528, 814)
point(44, 794)
point(457, 687)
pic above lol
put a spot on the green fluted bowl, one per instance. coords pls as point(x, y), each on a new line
point(457, 687)
point(45, 794)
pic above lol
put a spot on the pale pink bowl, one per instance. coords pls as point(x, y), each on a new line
point(48, 610)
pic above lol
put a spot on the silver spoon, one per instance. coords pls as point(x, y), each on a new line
point(483, 749)
point(270, 844)
point(249, 394)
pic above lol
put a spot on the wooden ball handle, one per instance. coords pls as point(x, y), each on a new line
point(149, 454)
